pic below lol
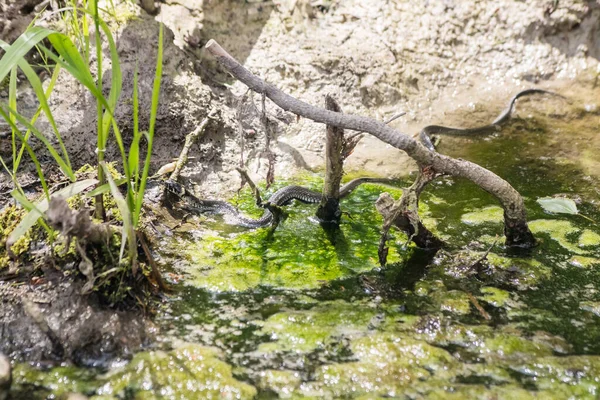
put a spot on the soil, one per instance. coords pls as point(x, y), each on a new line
point(86, 333)
point(440, 61)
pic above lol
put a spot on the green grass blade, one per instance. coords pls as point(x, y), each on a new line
point(37, 210)
point(68, 51)
point(105, 188)
point(153, 112)
point(134, 149)
point(12, 102)
point(43, 99)
point(38, 112)
point(128, 231)
point(113, 97)
point(40, 136)
point(20, 47)
point(36, 85)
point(35, 160)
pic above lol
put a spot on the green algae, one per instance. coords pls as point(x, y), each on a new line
point(584, 262)
point(387, 364)
point(299, 254)
point(589, 238)
point(491, 214)
point(284, 383)
point(494, 296)
point(305, 331)
point(58, 381)
point(190, 371)
point(456, 302)
point(531, 271)
point(559, 231)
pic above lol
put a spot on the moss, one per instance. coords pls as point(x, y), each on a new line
point(494, 296)
point(190, 372)
point(299, 255)
point(305, 331)
point(90, 171)
point(558, 230)
point(9, 219)
point(589, 238)
point(489, 214)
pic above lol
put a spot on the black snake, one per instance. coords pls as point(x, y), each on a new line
point(281, 197)
point(490, 128)
point(285, 195)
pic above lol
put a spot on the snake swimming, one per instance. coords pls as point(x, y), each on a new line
point(503, 117)
point(285, 195)
point(281, 197)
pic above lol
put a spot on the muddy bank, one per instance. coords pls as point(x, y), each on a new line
point(81, 329)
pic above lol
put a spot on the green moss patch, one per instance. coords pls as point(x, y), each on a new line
point(300, 254)
point(305, 331)
point(491, 214)
point(559, 231)
point(188, 372)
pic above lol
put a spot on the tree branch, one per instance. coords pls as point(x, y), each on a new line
point(329, 208)
point(515, 219)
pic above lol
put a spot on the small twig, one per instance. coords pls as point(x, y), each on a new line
point(278, 214)
point(484, 256)
point(250, 182)
point(268, 133)
point(241, 128)
point(394, 117)
point(190, 139)
point(476, 304)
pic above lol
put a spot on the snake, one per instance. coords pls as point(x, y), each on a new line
point(502, 118)
point(281, 197)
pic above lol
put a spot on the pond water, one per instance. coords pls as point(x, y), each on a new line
point(305, 313)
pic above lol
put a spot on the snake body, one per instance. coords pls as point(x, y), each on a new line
point(281, 197)
point(503, 117)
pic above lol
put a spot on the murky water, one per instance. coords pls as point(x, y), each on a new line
point(304, 313)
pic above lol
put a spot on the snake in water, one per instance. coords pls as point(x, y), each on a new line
point(285, 195)
point(490, 128)
point(280, 198)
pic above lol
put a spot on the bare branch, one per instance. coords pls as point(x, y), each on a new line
point(246, 178)
point(515, 222)
point(190, 139)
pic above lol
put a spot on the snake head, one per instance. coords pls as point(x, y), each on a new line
point(175, 188)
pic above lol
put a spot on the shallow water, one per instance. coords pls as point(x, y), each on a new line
point(305, 313)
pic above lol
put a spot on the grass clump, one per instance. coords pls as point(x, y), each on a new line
point(71, 53)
